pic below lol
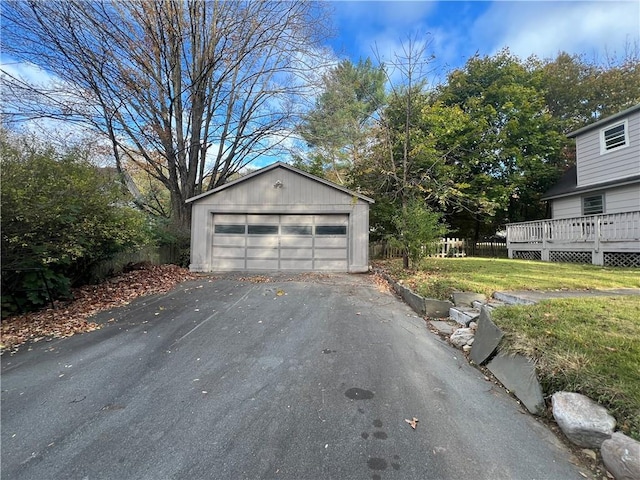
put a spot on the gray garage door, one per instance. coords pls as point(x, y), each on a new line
point(280, 242)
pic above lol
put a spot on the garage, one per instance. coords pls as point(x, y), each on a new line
point(280, 218)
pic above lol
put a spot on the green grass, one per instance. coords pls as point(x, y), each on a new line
point(439, 277)
point(586, 345)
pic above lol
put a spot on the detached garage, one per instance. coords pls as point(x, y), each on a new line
point(280, 218)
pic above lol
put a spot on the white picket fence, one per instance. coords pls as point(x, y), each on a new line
point(445, 248)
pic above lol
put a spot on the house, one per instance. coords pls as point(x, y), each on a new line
point(596, 204)
point(280, 218)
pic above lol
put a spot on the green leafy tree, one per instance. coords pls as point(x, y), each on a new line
point(60, 216)
point(403, 169)
point(338, 128)
point(579, 92)
point(514, 152)
point(418, 226)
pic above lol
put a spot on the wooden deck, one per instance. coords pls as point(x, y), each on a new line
point(611, 239)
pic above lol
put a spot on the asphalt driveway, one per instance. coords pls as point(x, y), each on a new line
point(235, 379)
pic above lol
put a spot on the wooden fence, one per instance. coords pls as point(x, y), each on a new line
point(445, 248)
point(150, 254)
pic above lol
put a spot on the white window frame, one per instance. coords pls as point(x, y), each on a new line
point(585, 197)
point(603, 145)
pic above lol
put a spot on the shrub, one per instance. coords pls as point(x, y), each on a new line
point(60, 215)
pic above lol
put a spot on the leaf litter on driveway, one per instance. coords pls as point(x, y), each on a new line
point(71, 317)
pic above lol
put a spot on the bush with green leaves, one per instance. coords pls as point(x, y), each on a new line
point(60, 216)
point(417, 227)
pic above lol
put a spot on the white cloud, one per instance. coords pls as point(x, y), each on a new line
point(546, 28)
point(28, 72)
point(365, 24)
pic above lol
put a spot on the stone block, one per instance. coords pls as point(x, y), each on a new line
point(434, 308)
point(443, 327)
point(518, 374)
point(463, 315)
point(621, 456)
point(488, 337)
point(466, 299)
point(511, 299)
point(583, 421)
point(415, 301)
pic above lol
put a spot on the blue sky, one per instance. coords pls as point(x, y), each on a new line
point(459, 29)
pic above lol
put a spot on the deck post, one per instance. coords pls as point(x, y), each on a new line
point(544, 253)
point(597, 257)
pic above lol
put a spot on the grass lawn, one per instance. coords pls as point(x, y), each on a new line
point(585, 345)
point(439, 277)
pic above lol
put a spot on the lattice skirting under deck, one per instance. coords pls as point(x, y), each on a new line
point(570, 257)
point(611, 259)
point(527, 255)
point(622, 259)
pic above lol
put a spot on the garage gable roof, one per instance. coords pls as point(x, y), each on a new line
point(286, 167)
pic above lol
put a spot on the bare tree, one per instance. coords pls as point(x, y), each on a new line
point(191, 90)
point(407, 75)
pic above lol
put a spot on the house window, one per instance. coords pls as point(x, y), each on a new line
point(614, 137)
point(593, 204)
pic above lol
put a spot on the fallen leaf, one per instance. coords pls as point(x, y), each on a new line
point(71, 317)
point(413, 423)
point(280, 293)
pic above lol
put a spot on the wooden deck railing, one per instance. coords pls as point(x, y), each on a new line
point(614, 232)
point(610, 227)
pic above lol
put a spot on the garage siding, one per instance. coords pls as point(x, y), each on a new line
point(280, 219)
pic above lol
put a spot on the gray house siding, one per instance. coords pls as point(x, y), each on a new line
point(616, 200)
point(595, 205)
point(596, 167)
point(623, 199)
point(568, 207)
point(282, 197)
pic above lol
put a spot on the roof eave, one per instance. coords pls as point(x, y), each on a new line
point(592, 188)
point(288, 167)
point(604, 121)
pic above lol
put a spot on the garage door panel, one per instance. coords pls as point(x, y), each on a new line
point(334, 242)
point(296, 253)
point(323, 253)
point(229, 264)
point(220, 218)
point(296, 265)
point(331, 219)
point(228, 252)
point(288, 242)
point(262, 253)
point(262, 242)
point(263, 219)
point(296, 219)
point(330, 265)
point(261, 264)
point(231, 240)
